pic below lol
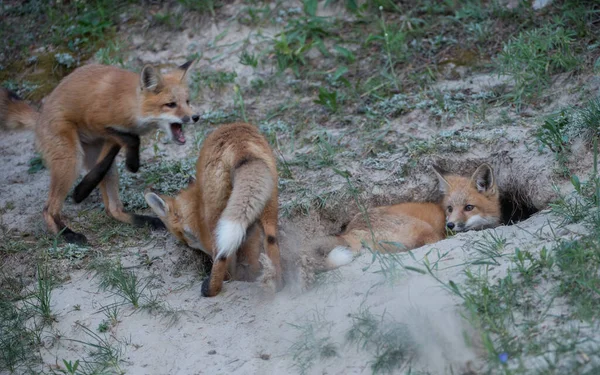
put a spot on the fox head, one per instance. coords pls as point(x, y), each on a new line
point(165, 101)
point(470, 203)
point(178, 215)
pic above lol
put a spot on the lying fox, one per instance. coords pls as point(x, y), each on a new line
point(230, 207)
point(87, 118)
point(468, 203)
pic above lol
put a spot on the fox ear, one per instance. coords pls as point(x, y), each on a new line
point(186, 67)
point(483, 178)
point(157, 204)
point(444, 184)
point(150, 79)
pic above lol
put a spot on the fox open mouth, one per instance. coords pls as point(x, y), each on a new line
point(177, 131)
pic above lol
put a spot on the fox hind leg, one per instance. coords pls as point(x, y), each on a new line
point(269, 223)
point(212, 285)
point(109, 187)
point(64, 161)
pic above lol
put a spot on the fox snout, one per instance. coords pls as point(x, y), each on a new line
point(186, 119)
point(455, 226)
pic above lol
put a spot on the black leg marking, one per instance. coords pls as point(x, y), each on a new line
point(152, 221)
point(67, 234)
point(97, 174)
point(132, 144)
point(271, 240)
point(132, 159)
point(205, 287)
point(73, 237)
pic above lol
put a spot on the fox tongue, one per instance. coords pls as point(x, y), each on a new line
point(178, 133)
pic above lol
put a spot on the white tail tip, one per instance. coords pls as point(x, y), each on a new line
point(339, 256)
point(229, 236)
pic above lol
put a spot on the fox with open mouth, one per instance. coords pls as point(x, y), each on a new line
point(93, 113)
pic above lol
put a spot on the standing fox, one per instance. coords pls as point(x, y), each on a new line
point(468, 203)
point(89, 116)
point(231, 205)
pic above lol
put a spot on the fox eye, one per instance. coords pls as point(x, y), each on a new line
point(171, 105)
point(449, 208)
point(469, 207)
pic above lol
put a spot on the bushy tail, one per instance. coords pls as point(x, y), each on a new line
point(335, 249)
point(253, 186)
point(15, 113)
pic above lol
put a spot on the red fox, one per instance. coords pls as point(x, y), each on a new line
point(88, 117)
point(468, 203)
point(231, 205)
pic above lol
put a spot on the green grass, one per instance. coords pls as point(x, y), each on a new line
point(43, 294)
point(534, 56)
point(105, 355)
point(313, 343)
point(560, 130)
point(18, 341)
point(389, 343)
point(123, 282)
point(201, 80)
point(202, 6)
point(165, 177)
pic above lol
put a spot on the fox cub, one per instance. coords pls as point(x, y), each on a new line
point(231, 206)
point(88, 117)
point(468, 203)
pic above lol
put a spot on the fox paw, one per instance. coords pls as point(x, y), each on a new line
point(205, 290)
point(74, 237)
point(153, 222)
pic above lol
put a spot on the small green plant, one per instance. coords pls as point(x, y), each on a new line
point(215, 80)
point(553, 134)
point(239, 101)
point(104, 356)
point(313, 343)
point(36, 164)
point(111, 54)
point(202, 6)
point(125, 283)
point(43, 293)
point(589, 120)
point(70, 367)
point(389, 342)
point(490, 247)
point(103, 326)
point(249, 59)
point(169, 19)
point(301, 35)
point(394, 43)
point(328, 99)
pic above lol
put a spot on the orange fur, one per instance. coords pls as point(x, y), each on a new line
point(230, 206)
point(73, 128)
point(468, 203)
